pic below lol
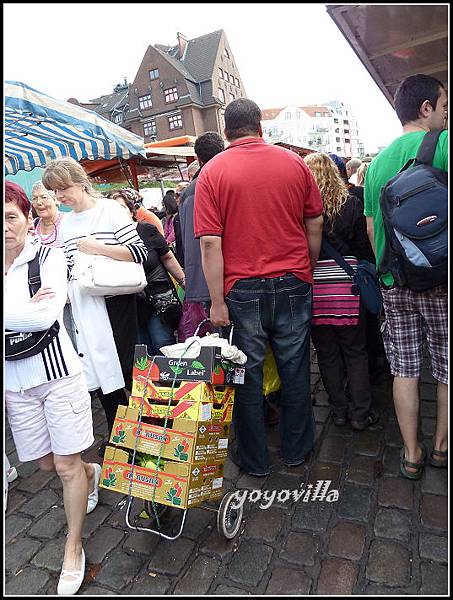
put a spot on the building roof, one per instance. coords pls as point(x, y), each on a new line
point(269, 114)
point(107, 103)
point(312, 109)
point(200, 54)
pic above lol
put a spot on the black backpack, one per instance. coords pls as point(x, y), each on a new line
point(24, 345)
point(414, 207)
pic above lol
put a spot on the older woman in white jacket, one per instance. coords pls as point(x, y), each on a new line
point(47, 400)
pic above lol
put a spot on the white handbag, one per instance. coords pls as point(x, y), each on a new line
point(104, 276)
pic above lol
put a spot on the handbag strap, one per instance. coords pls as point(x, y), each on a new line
point(427, 149)
point(332, 253)
point(34, 277)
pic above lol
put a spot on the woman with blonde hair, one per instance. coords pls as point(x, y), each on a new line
point(338, 326)
point(361, 172)
point(106, 328)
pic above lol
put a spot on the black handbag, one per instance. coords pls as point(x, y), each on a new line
point(165, 304)
point(23, 345)
point(364, 277)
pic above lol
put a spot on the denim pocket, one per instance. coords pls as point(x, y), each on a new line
point(300, 305)
point(245, 315)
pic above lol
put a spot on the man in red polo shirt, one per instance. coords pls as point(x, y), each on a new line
point(258, 214)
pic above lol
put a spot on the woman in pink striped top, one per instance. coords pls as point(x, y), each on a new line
point(48, 223)
point(338, 324)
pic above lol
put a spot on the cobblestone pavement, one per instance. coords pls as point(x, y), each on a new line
point(385, 535)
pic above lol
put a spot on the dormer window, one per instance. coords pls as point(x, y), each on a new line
point(171, 94)
point(118, 118)
point(145, 102)
point(154, 74)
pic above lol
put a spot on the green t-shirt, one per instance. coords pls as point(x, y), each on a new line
point(385, 166)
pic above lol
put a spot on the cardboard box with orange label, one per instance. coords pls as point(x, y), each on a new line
point(186, 441)
point(185, 409)
point(179, 485)
point(182, 390)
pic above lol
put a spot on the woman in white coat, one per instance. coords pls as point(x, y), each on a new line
point(47, 400)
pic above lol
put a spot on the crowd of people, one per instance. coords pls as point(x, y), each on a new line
point(253, 240)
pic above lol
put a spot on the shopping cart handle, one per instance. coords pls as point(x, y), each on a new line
point(230, 340)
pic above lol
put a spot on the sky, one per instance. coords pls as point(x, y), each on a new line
point(287, 54)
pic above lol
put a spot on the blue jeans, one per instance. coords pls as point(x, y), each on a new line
point(277, 310)
point(155, 335)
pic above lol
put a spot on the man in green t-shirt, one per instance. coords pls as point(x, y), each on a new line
point(412, 317)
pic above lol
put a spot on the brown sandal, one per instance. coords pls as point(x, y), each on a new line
point(418, 465)
point(443, 462)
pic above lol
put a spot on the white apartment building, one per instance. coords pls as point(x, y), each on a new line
point(324, 128)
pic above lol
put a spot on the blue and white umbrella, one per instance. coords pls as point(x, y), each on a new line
point(39, 128)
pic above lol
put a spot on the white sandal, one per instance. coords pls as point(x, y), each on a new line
point(93, 498)
point(68, 587)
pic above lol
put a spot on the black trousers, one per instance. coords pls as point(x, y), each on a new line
point(342, 357)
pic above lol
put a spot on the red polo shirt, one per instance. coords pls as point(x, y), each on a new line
point(255, 196)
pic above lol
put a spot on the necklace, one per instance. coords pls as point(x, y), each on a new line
point(46, 237)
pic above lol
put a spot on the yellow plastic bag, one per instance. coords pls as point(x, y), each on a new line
point(271, 379)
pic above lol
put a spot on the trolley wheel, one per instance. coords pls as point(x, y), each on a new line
point(228, 518)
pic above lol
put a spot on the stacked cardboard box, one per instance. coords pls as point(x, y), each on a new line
point(193, 446)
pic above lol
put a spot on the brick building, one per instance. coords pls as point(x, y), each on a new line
point(178, 90)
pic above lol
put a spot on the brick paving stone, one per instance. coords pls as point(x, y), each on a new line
point(333, 449)
point(435, 481)
point(142, 542)
point(347, 540)
point(101, 543)
point(343, 430)
point(433, 512)
point(392, 461)
point(312, 515)
point(321, 413)
point(119, 570)
point(18, 553)
point(14, 525)
point(264, 524)
point(396, 492)
point(250, 482)
point(231, 471)
point(390, 523)
point(170, 556)
point(428, 391)
point(29, 581)
point(24, 469)
point(433, 547)
point(325, 471)
point(149, 584)
point(388, 564)
point(51, 555)
point(367, 442)
point(217, 545)
point(94, 590)
point(354, 502)
point(15, 501)
point(40, 503)
point(428, 427)
point(300, 549)
point(319, 428)
point(96, 518)
point(199, 577)
point(434, 579)
point(227, 590)
point(337, 577)
point(49, 525)
point(197, 522)
point(373, 589)
point(110, 498)
point(428, 409)
point(288, 581)
point(284, 480)
point(36, 482)
point(361, 470)
point(322, 399)
point(250, 563)
point(301, 471)
point(393, 435)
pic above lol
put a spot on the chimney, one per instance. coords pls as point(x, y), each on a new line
point(182, 43)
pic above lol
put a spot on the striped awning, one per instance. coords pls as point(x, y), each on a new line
point(39, 128)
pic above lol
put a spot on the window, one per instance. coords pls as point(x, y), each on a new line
point(222, 95)
point(154, 74)
point(287, 116)
point(118, 118)
point(337, 130)
point(145, 101)
point(338, 149)
point(347, 141)
point(175, 122)
point(237, 82)
point(346, 130)
point(221, 73)
point(171, 94)
point(337, 140)
point(232, 97)
point(345, 121)
point(227, 76)
point(335, 120)
point(150, 128)
point(227, 54)
point(317, 114)
point(297, 115)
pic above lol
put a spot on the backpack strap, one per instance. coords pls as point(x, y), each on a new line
point(330, 251)
point(34, 277)
point(427, 149)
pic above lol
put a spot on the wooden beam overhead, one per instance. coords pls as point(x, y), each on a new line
point(411, 43)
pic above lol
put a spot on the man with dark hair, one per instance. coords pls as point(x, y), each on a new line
point(412, 316)
point(206, 147)
point(258, 212)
